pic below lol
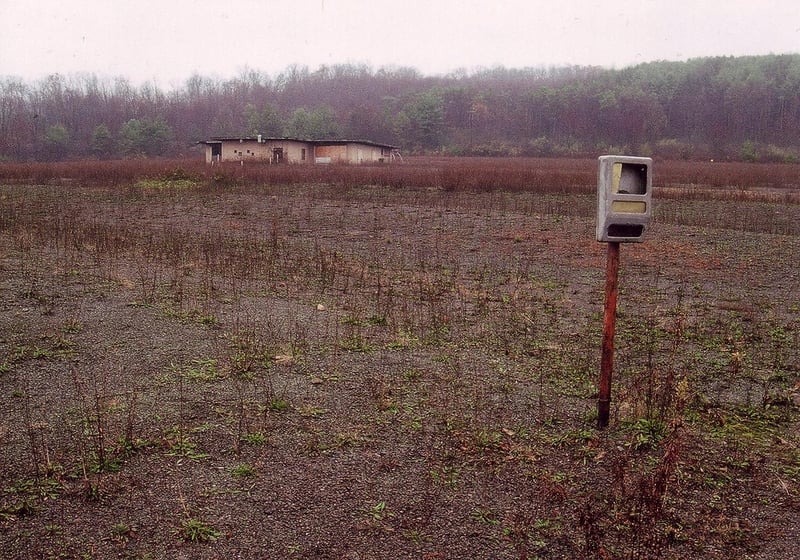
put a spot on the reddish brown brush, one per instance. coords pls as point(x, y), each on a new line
point(674, 179)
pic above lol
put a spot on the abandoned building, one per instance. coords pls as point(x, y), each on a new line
point(293, 150)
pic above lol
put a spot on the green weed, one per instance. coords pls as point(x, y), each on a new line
point(486, 516)
point(165, 184)
point(647, 433)
point(278, 405)
point(378, 512)
point(412, 374)
point(196, 530)
point(121, 529)
point(255, 438)
point(355, 343)
point(179, 445)
point(200, 370)
point(447, 475)
point(243, 471)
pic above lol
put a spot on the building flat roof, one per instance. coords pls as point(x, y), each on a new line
point(329, 142)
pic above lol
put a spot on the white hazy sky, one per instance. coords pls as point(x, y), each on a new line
point(166, 41)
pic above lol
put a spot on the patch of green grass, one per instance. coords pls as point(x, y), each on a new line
point(62, 348)
point(753, 426)
point(371, 321)
point(181, 446)
point(447, 475)
point(404, 339)
point(377, 321)
point(486, 516)
point(110, 461)
point(571, 437)
point(165, 184)
point(790, 470)
point(72, 326)
point(559, 477)
point(248, 354)
point(200, 370)
point(243, 471)
point(647, 433)
point(278, 405)
point(196, 530)
point(255, 438)
point(487, 439)
point(47, 488)
point(349, 438)
point(186, 448)
point(355, 343)
point(378, 512)
point(192, 315)
point(121, 529)
point(311, 411)
point(42, 353)
point(416, 536)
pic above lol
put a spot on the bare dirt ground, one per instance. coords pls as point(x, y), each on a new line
point(352, 373)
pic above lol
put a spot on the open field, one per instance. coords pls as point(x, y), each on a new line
point(394, 362)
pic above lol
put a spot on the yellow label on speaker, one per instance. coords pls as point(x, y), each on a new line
point(628, 207)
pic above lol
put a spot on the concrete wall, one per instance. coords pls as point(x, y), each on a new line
point(237, 150)
point(294, 151)
point(275, 151)
point(332, 154)
point(353, 152)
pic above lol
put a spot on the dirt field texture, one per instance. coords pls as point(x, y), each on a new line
point(195, 365)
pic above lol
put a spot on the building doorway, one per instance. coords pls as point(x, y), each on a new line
point(216, 152)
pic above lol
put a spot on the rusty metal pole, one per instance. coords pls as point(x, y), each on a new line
point(609, 322)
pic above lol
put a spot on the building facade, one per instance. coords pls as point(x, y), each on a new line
point(296, 151)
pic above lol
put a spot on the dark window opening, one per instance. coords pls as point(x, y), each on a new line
point(625, 230)
point(633, 179)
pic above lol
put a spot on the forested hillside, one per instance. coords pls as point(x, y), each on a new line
point(739, 108)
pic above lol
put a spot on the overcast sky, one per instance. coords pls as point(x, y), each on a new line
point(166, 41)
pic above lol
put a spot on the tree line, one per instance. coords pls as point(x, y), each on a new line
point(726, 107)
